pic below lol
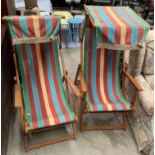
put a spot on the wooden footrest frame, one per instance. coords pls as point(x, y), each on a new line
point(29, 146)
point(103, 127)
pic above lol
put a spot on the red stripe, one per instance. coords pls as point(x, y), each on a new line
point(29, 86)
point(54, 21)
point(140, 27)
point(114, 64)
point(47, 85)
point(42, 26)
point(117, 31)
point(56, 82)
point(98, 83)
point(30, 26)
point(104, 25)
point(17, 26)
point(38, 85)
point(105, 79)
point(128, 26)
point(90, 48)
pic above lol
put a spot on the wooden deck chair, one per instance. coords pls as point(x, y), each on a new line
point(101, 77)
point(39, 90)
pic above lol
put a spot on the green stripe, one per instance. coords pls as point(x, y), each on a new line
point(69, 110)
point(86, 47)
point(24, 86)
point(57, 28)
point(97, 23)
point(11, 27)
point(88, 102)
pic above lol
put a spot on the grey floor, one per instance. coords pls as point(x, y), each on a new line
point(111, 142)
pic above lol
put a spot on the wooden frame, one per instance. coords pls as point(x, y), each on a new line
point(19, 103)
point(80, 81)
point(33, 11)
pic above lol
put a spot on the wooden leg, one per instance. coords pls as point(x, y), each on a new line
point(74, 130)
point(76, 101)
point(77, 73)
point(81, 117)
point(124, 119)
point(26, 142)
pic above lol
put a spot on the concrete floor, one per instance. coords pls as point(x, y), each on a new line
point(112, 142)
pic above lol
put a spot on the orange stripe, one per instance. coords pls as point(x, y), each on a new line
point(109, 107)
point(41, 76)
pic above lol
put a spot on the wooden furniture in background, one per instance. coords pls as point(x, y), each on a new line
point(29, 4)
point(26, 12)
point(7, 74)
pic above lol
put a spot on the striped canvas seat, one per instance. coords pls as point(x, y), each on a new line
point(44, 97)
point(102, 75)
point(113, 25)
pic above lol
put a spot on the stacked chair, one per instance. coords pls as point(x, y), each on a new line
point(39, 88)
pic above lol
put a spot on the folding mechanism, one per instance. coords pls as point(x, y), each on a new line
point(39, 88)
point(107, 33)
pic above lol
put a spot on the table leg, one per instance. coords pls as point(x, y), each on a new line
point(69, 34)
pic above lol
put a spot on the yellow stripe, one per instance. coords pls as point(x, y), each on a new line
point(122, 25)
point(42, 81)
point(36, 26)
point(101, 81)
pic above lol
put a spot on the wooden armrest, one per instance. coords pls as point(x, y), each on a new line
point(18, 96)
point(82, 82)
point(133, 81)
point(72, 85)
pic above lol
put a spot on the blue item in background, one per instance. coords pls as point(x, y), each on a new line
point(74, 28)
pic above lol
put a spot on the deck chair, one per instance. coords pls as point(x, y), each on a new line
point(39, 90)
point(102, 71)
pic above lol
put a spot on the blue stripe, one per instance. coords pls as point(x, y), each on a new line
point(133, 25)
point(110, 89)
point(51, 80)
point(111, 28)
point(93, 72)
point(48, 24)
point(34, 86)
point(23, 26)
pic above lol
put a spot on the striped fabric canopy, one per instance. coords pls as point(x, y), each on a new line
point(43, 92)
point(118, 25)
point(102, 75)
